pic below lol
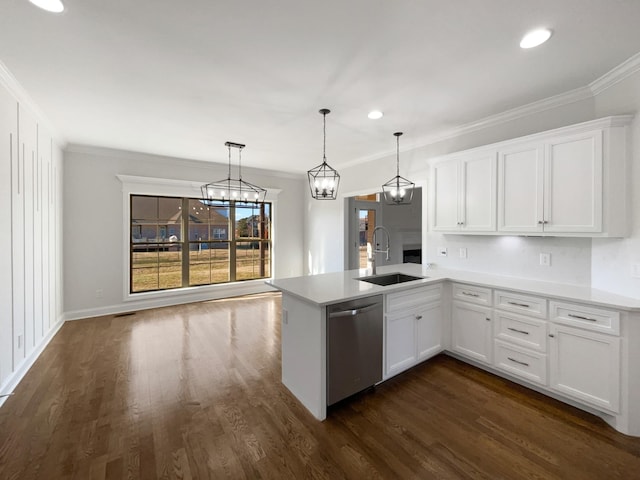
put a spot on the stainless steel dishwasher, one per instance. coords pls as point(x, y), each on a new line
point(354, 346)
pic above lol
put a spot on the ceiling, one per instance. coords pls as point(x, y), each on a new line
point(181, 78)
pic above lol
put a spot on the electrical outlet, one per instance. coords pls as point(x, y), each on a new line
point(442, 251)
point(19, 341)
point(463, 252)
point(285, 316)
point(545, 259)
point(635, 270)
point(99, 293)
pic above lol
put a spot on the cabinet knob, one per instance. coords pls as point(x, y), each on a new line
point(418, 317)
point(540, 222)
point(488, 319)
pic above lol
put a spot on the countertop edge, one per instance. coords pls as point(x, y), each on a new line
point(294, 286)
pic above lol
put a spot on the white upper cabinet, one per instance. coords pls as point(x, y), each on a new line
point(521, 189)
point(566, 182)
point(573, 183)
point(465, 194)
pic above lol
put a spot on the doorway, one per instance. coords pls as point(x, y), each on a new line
point(404, 223)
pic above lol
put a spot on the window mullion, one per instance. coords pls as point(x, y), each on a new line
point(184, 237)
point(232, 243)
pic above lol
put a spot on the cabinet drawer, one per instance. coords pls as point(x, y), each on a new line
point(412, 297)
point(473, 294)
point(523, 331)
point(529, 365)
point(590, 318)
point(520, 303)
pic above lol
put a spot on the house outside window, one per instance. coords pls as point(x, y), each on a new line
point(209, 244)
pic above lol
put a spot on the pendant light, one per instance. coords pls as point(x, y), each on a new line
point(324, 180)
point(398, 190)
point(232, 189)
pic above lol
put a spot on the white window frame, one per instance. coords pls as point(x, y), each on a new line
point(136, 185)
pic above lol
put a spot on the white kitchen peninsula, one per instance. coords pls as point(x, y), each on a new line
point(574, 343)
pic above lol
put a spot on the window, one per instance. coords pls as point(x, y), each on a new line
point(213, 244)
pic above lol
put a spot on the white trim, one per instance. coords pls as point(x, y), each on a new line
point(615, 75)
point(23, 367)
point(599, 123)
point(593, 89)
point(207, 165)
point(10, 82)
point(136, 185)
point(572, 96)
point(175, 297)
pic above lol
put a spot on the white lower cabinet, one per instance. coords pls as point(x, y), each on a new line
point(585, 365)
point(413, 328)
point(471, 331)
point(429, 331)
point(571, 350)
point(521, 362)
point(400, 342)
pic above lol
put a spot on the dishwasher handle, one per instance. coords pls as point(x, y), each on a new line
point(354, 312)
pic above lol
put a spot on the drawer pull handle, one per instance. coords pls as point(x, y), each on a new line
point(470, 294)
point(516, 330)
point(519, 304)
point(418, 317)
point(518, 361)
point(580, 317)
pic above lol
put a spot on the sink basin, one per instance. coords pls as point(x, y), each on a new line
point(389, 279)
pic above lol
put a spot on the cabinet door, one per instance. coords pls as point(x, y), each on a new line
point(471, 331)
point(478, 193)
point(429, 331)
point(8, 159)
point(521, 189)
point(400, 342)
point(445, 185)
point(586, 366)
point(573, 184)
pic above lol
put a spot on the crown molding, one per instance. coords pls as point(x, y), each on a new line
point(566, 98)
point(593, 89)
point(185, 162)
point(616, 74)
point(8, 81)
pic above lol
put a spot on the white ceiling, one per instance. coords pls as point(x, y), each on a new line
point(179, 78)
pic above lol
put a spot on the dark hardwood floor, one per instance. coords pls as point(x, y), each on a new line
point(194, 391)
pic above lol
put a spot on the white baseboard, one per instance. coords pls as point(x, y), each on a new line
point(136, 305)
point(14, 379)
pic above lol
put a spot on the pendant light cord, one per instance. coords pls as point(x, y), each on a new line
point(324, 137)
point(398, 155)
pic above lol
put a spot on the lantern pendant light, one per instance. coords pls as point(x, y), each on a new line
point(324, 180)
point(398, 190)
point(232, 189)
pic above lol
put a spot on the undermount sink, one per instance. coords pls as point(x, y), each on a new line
point(389, 279)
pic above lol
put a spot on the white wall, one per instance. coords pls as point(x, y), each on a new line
point(30, 246)
point(612, 259)
point(93, 226)
point(602, 263)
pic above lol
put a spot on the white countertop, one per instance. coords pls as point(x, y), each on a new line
point(327, 288)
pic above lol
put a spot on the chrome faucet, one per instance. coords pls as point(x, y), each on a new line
point(371, 252)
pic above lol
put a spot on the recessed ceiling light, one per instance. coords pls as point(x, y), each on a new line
point(535, 38)
point(375, 114)
point(54, 6)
